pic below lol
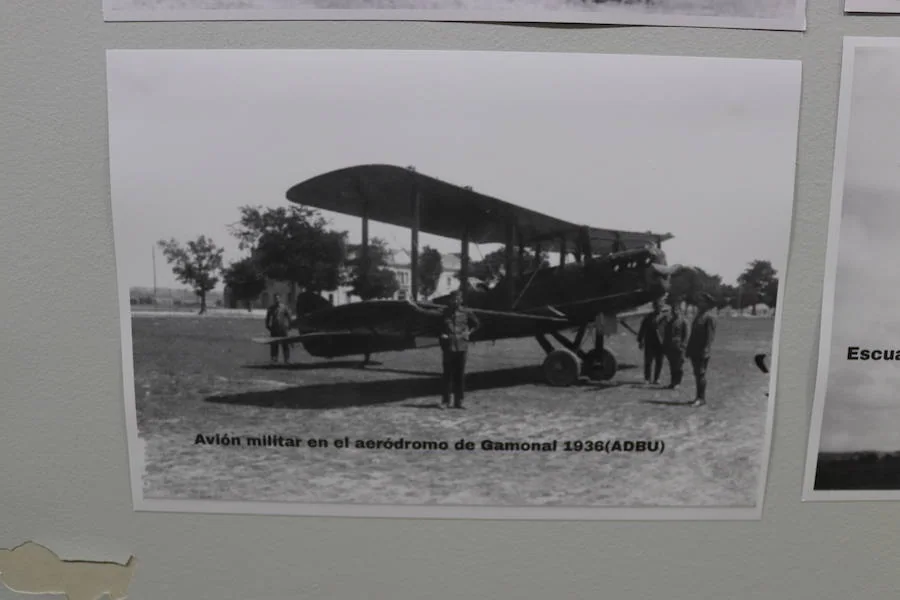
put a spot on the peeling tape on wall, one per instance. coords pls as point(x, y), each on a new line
point(33, 569)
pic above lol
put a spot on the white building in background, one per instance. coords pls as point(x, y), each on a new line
point(399, 262)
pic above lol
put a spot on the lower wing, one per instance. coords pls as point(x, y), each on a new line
point(633, 314)
point(300, 337)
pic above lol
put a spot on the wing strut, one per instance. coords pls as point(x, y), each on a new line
point(520, 268)
point(584, 239)
point(464, 255)
point(414, 242)
point(364, 258)
point(525, 288)
point(510, 279)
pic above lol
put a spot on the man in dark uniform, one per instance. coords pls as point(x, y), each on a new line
point(675, 344)
point(651, 337)
point(278, 322)
point(703, 333)
point(457, 325)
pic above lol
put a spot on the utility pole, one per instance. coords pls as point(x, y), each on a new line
point(153, 249)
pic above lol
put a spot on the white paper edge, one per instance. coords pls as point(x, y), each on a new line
point(872, 6)
point(650, 513)
point(795, 22)
point(779, 307)
point(851, 44)
point(134, 442)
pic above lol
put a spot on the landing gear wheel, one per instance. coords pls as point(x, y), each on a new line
point(561, 367)
point(602, 367)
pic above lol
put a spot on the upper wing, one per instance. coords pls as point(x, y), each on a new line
point(384, 193)
point(604, 241)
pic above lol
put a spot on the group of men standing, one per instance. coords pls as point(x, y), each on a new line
point(664, 335)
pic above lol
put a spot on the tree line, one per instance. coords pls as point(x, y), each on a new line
point(295, 245)
point(757, 284)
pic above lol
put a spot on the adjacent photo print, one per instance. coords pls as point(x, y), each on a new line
point(787, 15)
point(854, 442)
point(450, 284)
point(872, 6)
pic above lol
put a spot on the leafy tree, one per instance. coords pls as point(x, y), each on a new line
point(245, 280)
point(770, 293)
point(371, 278)
point(431, 266)
point(687, 284)
point(712, 285)
point(195, 264)
point(293, 244)
point(757, 283)
point(729, 295)
point(683, 285)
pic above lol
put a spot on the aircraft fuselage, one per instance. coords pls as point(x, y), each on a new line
point(575, 293)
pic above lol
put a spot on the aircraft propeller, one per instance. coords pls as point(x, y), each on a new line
point(669, 270)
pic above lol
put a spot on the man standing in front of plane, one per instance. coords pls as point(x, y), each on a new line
point(651, 339)
point(278, 322)
point(457, 326)
point(703, 333)
point(675, 343)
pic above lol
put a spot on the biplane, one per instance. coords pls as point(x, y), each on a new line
point(602, 277)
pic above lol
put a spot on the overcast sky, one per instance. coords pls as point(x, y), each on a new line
point(862, 406)
point(702, 148)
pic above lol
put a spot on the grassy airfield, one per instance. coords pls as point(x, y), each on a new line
point(202, 376)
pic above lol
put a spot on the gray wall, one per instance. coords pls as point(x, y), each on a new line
point(64, 469)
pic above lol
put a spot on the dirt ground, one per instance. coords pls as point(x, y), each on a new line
point(202, 375)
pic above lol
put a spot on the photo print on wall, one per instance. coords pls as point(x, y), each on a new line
point(854, 443)
point(450, 284)
point(789, 15)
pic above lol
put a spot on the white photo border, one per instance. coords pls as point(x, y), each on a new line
point(794, 22)
point(136, 454)
point(842, 131)
point(872, 6)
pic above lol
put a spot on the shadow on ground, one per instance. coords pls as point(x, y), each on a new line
point(370, 393)
point(367, 393)
point(342, 364)
point(296, 366)
point(676, 402)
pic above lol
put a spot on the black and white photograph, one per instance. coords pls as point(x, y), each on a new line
point(854, 442)
point(872, 6)
point(784, 15)
point(450, 284)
